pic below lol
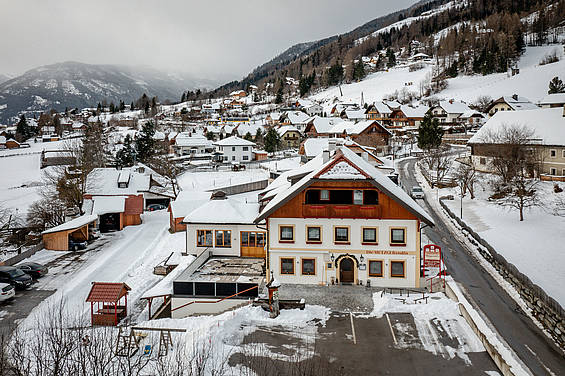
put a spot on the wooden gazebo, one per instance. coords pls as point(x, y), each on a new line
point(110, 307)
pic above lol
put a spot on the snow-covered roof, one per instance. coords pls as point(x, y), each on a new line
point(382, 108)
point(275, 115)
point(517, 103)
point(453, 107)
point(355, 114)
point(419, 55)
point(104, 181)
point(346, 165)
point(244, 128)
point(306, 103)
point(224, 211)
point(187, 139)
point(140, 178)
point(286, 128)
point(159, 136)
point(108, 204)
point(414, 112)
point(393, 104)
point(471, 113)
point(323, 124)
point(548, 125)
point(187, 201)
point(297, 117)
point(557, 98)
point(73, 224)
point(234, 141)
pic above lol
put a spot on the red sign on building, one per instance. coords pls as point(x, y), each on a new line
point(432, 256)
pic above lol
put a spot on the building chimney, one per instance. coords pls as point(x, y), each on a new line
point(325, 156)
point(515, 97)
point(331, 145)
point(365, 156)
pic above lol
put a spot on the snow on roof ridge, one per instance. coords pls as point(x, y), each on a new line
point(381, 180)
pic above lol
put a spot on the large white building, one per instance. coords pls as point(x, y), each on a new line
point(343, 221)
point(235, 149)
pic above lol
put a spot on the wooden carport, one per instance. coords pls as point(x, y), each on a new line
point(110, 308)
point(57, 238)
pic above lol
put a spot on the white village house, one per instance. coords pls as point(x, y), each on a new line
point(343, 222)
point(235, 149)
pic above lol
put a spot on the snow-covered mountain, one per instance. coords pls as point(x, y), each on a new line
point(4, 78)
point(73, 84)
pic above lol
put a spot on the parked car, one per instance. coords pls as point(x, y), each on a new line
point(33, 269)
point(15, 277)
point(75, 245)
point(417, 192)
point(154, 207)
point(93, 233)
point(7, 291)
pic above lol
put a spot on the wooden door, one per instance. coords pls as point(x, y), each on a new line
point(252, 244)
point(346, 274)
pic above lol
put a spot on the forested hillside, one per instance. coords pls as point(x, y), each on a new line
point(470, 36)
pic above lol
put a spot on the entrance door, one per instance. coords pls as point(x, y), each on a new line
point(346, 270)
point(253, 244)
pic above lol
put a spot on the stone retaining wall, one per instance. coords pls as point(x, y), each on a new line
point(544, 308)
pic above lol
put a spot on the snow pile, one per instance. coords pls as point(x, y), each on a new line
point(224, 334)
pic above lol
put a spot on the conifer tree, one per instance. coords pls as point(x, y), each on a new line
point(23, 130)
point(430, 133)
point(556, 86)
point(145, 143)
point(125, 157)
point(279, 97)
point(272, 140)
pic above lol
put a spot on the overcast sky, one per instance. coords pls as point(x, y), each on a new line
point(206, 37)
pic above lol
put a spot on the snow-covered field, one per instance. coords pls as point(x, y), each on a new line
point(533, 246)
point(21, 178)
point(532, 82)
point(377, 85)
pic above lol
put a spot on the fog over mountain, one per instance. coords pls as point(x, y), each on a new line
point(73, 84)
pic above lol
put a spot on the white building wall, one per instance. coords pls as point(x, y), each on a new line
point(322, 252)
point(237, 153)
point(235, 249)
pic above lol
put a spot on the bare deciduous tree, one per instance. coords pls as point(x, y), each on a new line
point(513, 149)
point(466, 178)
point(517, 160)
point(46, 213)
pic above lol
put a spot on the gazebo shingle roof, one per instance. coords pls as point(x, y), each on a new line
point(107, 291)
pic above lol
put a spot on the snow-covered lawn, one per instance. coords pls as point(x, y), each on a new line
point(534, 246)
point(21, 177)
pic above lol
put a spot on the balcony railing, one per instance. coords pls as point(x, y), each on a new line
point(340, 211)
